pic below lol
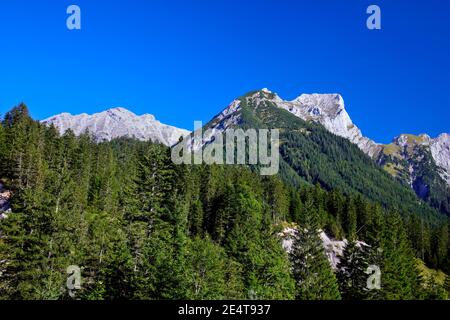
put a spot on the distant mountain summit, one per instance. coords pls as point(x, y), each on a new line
point(118, 122)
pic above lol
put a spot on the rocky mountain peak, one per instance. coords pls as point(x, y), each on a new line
point(326, 109)
point(330, 105)
point(410, 156)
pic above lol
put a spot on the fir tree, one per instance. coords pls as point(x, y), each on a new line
point(352, 269)
point(311, 270)
point(400, 278)
point(207, 263)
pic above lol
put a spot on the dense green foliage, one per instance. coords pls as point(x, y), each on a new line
point(141, 227)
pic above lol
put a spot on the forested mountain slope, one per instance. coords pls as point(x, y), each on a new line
point(317, 156)
point(315, 122)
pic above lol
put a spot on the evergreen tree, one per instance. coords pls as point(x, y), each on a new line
point(265, 265)
point(141, 227)
point(351, 220)
point(400, 278)
point(208, 266)
point(447, 284)
point(311, 270)
point(352, 269)
point(2, 151)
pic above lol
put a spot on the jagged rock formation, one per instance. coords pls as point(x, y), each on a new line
point(329, 110)
point(118, 122)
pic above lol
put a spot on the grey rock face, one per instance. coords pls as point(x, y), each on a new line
point(329, 110)
point(118, 122)
point(415, 150)
point(440, 149)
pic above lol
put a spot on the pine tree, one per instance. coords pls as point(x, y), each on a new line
point(207, 264)
point(2, 151)
point(352, 269)
point(311, 269)
point(400, 277)
point(157, 228)
point(276, 198)
point(295, 205)
point(336, 209)
point(253, 245)
point(351, 220)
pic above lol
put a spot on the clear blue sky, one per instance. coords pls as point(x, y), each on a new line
point(186, 60)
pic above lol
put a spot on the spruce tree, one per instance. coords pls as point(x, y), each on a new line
point(311, 269)
point(352, 269)
point(207, 263)
point(399, 274)
point(254, 245)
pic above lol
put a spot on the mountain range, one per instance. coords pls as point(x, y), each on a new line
point(115, 123)
point(417, 161)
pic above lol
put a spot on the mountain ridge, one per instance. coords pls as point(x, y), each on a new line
point(115, 123)
point(328, 111)
point(420, 162)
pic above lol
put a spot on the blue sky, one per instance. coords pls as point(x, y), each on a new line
point(186, 60)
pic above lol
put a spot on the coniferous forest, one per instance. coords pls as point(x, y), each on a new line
point(141, 227)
